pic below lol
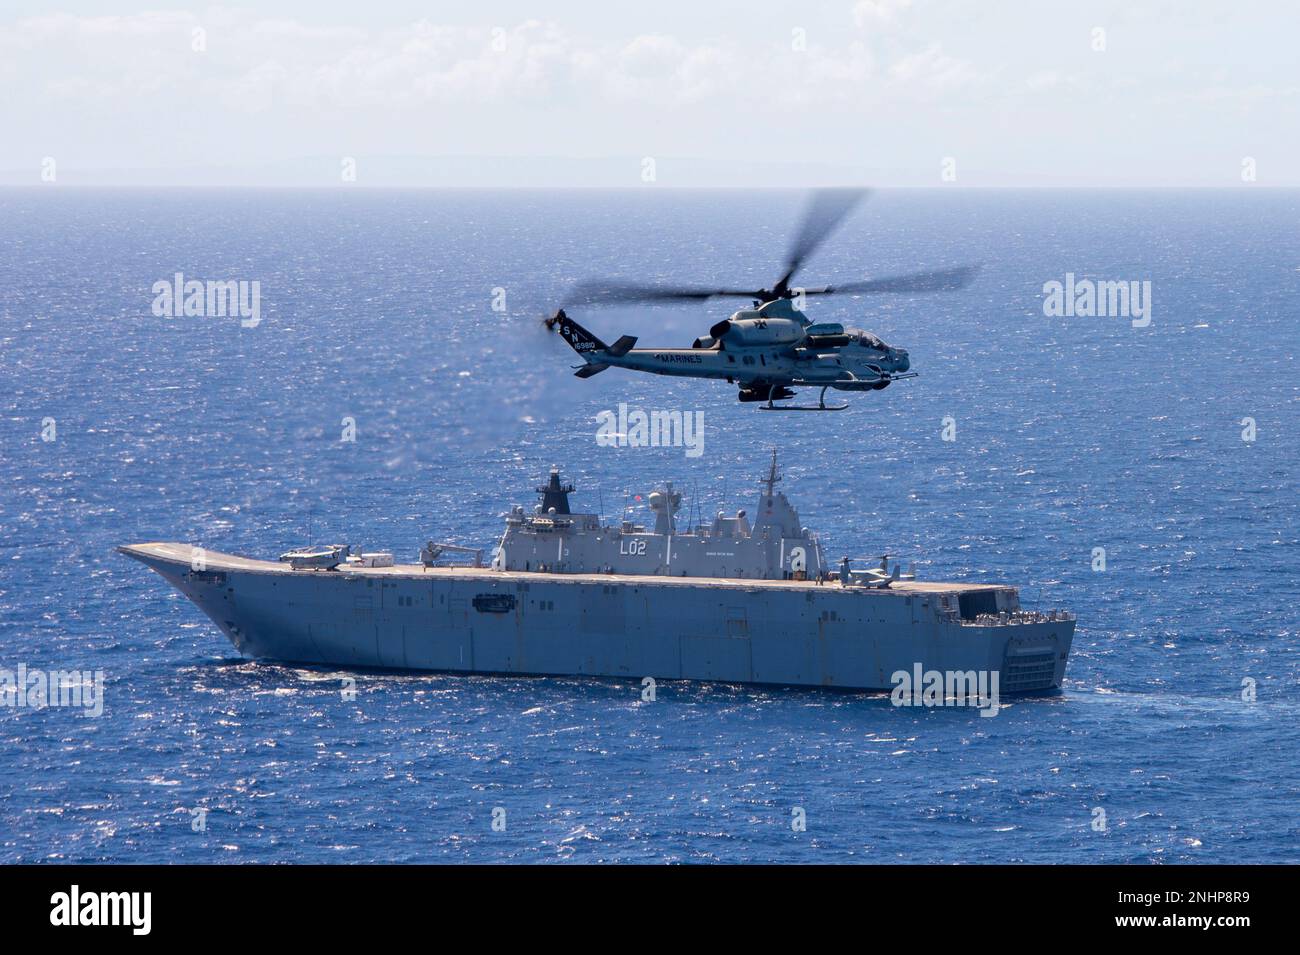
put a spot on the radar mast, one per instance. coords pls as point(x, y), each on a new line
point(772, 477)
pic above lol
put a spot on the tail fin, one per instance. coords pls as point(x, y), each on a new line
point(580, 340)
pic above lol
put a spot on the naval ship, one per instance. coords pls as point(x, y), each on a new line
point(736, 599)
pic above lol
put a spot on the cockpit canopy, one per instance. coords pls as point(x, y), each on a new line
point(868, 340)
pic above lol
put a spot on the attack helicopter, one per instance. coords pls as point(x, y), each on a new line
point(772, 347)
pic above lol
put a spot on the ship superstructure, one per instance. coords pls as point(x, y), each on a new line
point(553, 539)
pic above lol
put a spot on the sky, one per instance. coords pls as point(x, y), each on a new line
point(759, 93)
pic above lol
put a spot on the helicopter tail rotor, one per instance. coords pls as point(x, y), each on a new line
point(580, 340)
point(592, 350)
point(584, 342)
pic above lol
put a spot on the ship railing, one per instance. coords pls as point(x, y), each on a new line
point(1015, 618)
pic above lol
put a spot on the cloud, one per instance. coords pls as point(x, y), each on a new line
point(875, 81)
point(251, 64)
point(661, 70)
point(246, 62)
point(869, 12)
point(934, 69)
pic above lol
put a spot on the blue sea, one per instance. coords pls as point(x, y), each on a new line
point(1071, 434)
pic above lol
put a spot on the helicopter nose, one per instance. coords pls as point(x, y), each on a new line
point(900, 357)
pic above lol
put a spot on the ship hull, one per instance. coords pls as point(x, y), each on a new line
point(483, 621)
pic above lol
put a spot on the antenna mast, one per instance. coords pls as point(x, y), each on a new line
point(772, 477)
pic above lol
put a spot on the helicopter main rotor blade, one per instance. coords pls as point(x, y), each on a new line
point(944, 280)
point(825, 211)
point(595, 293)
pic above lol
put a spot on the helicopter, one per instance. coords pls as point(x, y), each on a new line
point(772, 347)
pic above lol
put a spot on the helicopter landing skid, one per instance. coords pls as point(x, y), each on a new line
point(820, 406)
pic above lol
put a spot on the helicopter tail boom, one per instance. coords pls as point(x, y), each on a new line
point(591, 348)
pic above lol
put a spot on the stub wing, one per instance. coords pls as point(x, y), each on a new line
point(622, 346)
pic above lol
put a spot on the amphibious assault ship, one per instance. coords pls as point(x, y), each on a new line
point(734, 599)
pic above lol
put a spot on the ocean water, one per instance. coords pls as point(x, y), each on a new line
point(1071, 434)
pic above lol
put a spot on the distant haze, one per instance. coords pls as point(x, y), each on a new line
point(760, 93)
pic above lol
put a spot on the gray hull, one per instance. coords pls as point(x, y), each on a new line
point(481, 620)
